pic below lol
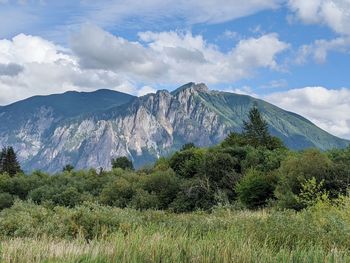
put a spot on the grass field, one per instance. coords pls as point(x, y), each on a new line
point(93, 233)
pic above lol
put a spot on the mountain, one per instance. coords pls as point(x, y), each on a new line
point(88, 129)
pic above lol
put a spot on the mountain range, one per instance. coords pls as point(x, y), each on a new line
point(87, 129)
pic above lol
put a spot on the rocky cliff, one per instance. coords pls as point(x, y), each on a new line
point(88, 129)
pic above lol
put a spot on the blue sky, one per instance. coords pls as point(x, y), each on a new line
point(293, 53)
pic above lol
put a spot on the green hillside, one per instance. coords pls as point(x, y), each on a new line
point(295, 131)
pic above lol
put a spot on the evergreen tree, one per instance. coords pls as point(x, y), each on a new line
point(255, 130)
point(2, 159)
point(8, 162)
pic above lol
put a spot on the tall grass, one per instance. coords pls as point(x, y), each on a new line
point(93, 233)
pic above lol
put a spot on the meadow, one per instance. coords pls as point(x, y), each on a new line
point(95, 233)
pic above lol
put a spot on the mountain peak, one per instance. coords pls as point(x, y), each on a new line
point(88, 129)
point(200, 87)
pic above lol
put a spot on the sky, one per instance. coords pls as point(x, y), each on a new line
point(292, 53)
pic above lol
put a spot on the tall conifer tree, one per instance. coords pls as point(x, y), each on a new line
point(8, 162)
point(255, 129)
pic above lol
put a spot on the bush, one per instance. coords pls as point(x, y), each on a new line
point(218, 170)
point(216, 165)
point(162, 164)
point(6, 200)
point(144, 200)
point(20, 185)
point(164, 185)
point(119, 193)
point(263, 159)
point(69, 197)
point(311, 193)
point(65, 196)
point(255, 189)
point(42, 194)
point(296, 170)
point(234, 139)
point(185, 163)
point(195, 194)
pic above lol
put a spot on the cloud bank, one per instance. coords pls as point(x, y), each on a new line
point(97, 59)
point(327, 108)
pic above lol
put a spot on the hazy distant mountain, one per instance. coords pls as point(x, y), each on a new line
point(88, 129)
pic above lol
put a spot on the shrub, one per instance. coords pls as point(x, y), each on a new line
point(144, 200)
point(295, 170)
point(185, 163)
point(194, 194)
point(6, 200)
point(20, 185)
point(255, 189)
point(165, 185)
point(69, 197)
point(263, 159)
point(311, 192)
point(162, 164)
point(218, 171)
point(234, 139)
point(119, 193)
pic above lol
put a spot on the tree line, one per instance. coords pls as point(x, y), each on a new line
point(251, 169)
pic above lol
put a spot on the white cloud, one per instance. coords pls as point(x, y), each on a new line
point(98, 49)
point(146, 90)
point(327, 108)
point(332, 13)
point(28, 49)
point(174, 57)
point(319, 50)
point(32, 65)
point(259, 51)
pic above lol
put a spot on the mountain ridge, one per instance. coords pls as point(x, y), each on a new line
point(143, 128)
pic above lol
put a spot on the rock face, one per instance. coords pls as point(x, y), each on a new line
point(88, 129)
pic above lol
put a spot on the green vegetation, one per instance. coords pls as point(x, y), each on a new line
point(123, 163)
point(8, 162)
point(95, 233)
point(248, 199)
point(68, 168)
point(255, 132)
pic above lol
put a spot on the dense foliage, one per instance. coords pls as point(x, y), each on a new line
point(122, 162)
point(252, 169)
